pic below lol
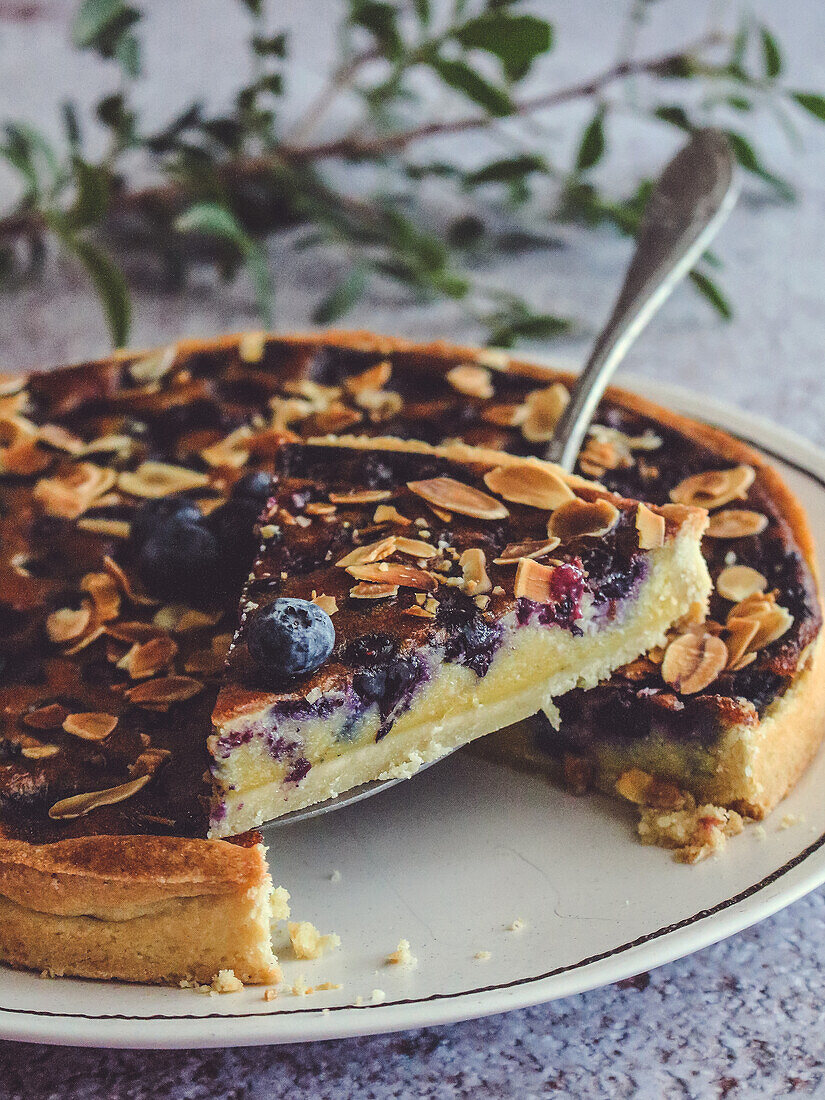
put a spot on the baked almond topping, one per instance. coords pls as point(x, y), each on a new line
point(79, 804)
point(374, 378)
point(70, 494)
point(90, 726)
point(773, 620)
point(693, 661)
point(366, 591)
point(326, 603)
point(504, 415)
point(740, 635)
point(474, 569)
point(526, 483)
point(148, 762)
point(416, 548)
point(651, 528)
point(131, 632)
point(39, 752)
point(714, 488)
point(318, 508)
point(455, 496)
point(45, 718)
point(251, 346)
point(580, 518)
point(53, 435)
point(388, 513)
point(379, 405)
point(110, 528)
point(513, 552)
point(104, 595)
point(534, 581)
point(737, 582)
point(19, 452)
point(232, 451)
point(371, 551)
point(161, 693)
point(125, 585)
point(160, 479)
point(544, 409)
point(66, 624)
point(147, 658)
point(393, 574)
point(336, 418)
point(471, 380)
point(736, 523)
point(364, 496)
point(154, 366)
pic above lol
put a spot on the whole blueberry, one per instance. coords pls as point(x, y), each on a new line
point(154, 514)
point(257, 485)
point(291, 637)
point(233, 525)
point(180, 561)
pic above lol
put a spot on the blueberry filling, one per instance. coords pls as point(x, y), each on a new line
point(383, 676)
point(470, 639)
point(564, 607)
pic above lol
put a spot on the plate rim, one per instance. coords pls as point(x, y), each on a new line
point(659, 947)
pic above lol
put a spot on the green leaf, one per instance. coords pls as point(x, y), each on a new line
point(771, 54)
point(254, 6)
point(711, 293)
point(459, 76)
point(747, 156)
point(269, 46)
point(93, 18)
point(674, 116)
point(516, 40)
point(423, 12)
point(381, 20)
point(127, 54)
point(503, 171)
point(592, 144)
point(71, 124)
point(342, 298)
point(110, 287)
point(92, 193)
point(812, 102)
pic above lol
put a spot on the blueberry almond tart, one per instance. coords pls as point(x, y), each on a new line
point(409, 599)
point(130, 488)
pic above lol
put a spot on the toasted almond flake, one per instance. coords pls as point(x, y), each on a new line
point(39, 752)
point(131, 632)
point(544, 409)
point(714, 488)
point(148, 762)
point(599, 456)
point(651, 528)
point(79, 804)
point(109, 444)
point(533, 581)
point(580, 518)
point(318, 508)
point(90, 726)
point(693, 661)
point(504, 415)
point(154, 366)
point(11, 384)
point(154, 480)
point(191, 619)
point(471, 380)
point(125, 585)
point(363, 496)
point(455, 496)
point(54, 435)
point(416, 548)
point(111, 528)
point(369, 552)
point(737, 582)
point(527, 483)
point(440, 513)
point(365, 591)
point(379, 405)
point(373, 378)
point(146, 658)
point(203, 662)
point(104, 595)
point(161, 693)
point(513, 552)
point(394, 574)
point(66, 624)
point(474, 569)
point(233, 451)
point(336, 418)
point(772, 625)
point(754, 605)
point(70, 494)
point(740, 635)
point(45, 718)
point(736, 523)
point(388, 513)
point(251, 346)
point(419, 612)
point(86, 640)
point(326, 603)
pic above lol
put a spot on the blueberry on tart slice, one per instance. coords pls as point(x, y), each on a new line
point(408, 599)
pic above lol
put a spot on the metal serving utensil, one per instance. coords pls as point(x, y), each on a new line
point(694, 195)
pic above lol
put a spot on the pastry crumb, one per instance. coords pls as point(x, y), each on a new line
point(226, 982)
point(759, 832)
point(482, 955)
point(517, 925)
point(270, 994)
point(307, 941)
point(402, 956)
point(359, 1000)
point(335, 876)
point(378, 996)
point(279, 904)
point(789, 820)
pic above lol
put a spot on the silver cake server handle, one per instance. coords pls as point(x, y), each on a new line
point(689, 204)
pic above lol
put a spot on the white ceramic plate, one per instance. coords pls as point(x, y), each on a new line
point(448, 861)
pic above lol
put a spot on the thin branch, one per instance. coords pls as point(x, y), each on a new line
point(341, 79)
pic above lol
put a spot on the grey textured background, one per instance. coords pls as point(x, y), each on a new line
point(739, 1020)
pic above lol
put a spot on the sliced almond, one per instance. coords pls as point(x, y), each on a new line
point(66, 624)
point(455, 496)
point(737, 582)
point(56, 436)
point(371, 551)
point(45, 718)
point(714, 488)
point(474, 569)
point(104, 594)
point(154, 366)
point(504, 415)
point(86, 640)
point(125, 585)
point(326, 603)
point(203, 662)
point(148, 762)
point(416, 548)
point(373, 378)
point(336, 418)
point(39, 752)
point(379, 405)
point(544, 409)
point(366, 591)
point(419, 612)
point(394, 574)
point(251, 346)
point(90, 726)
point(19, 450)
point(471, 380)
point(736, 523)
point(693, 661)
point(79, 804)
point(526, 483)
point(775, 622)
point(513, 552)
point(161, 693)
point(109, 528)
point(363, 496)
point(581, 518)
point(154, 480)
point(109, 444)
point(740, 635)
point(388, 513)
point(651, 528)
point(70, 494)
point(318, 508)
point(147, 658)
point(534, 581)
point(132, 632)
point(232, 451)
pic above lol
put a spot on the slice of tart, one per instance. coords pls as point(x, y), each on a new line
point(409, 599)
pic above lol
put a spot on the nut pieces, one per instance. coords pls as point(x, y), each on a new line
point(736, 523)
point(580, 518)
point(77, 805)
point(693, 661)
point(455, 496)
point(529, 483)
point(651, 528)
point(737, 582)
point(714, 488)
point(90, 726)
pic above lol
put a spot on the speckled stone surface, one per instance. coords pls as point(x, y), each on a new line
point(738, 1020)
